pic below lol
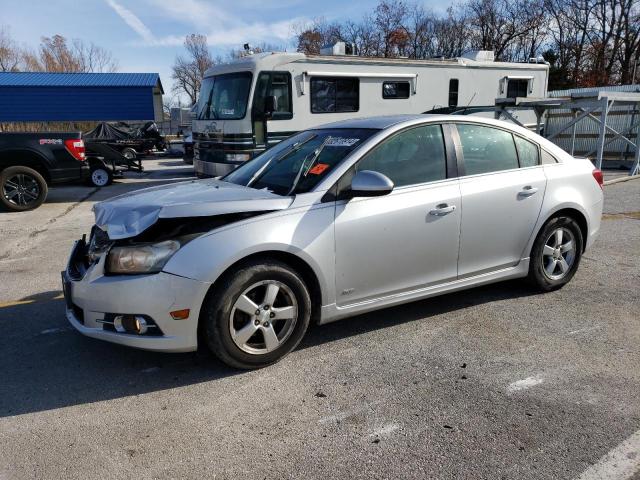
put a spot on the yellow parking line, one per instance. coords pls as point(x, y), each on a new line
point(15, 303)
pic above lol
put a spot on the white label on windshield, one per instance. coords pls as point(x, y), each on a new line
point(341, 142)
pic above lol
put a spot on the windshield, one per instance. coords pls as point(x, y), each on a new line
point(224, 97)
point(297, 164)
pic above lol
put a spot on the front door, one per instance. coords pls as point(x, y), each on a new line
point(405, 240)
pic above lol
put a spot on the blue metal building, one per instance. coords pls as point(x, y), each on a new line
point(39, 96)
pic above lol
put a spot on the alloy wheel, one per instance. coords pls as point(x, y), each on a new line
point(558, 253)
point(21, 189)
point(263, 317)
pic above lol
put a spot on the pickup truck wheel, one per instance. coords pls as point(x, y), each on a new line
point(256, 315)
point(22, 188)
point(101, 176)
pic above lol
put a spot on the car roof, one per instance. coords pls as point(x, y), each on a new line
point(379, 123)
point(388, 121)
point(400, 121)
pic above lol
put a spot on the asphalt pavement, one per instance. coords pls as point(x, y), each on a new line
point(495, 382)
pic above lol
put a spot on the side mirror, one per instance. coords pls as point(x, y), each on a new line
point(270, 105)
point(367, 183)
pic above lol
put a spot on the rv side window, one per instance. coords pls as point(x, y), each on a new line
point(395, 90)
point(453, 92)
point(331, 95)
point(517, 87)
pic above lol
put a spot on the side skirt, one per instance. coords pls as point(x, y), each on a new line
point(331, 313)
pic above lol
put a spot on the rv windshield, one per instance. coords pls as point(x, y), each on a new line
point(297, 164)
point(224, 97)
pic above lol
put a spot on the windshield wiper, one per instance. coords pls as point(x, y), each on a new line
point(305, 168)
point(293, 148)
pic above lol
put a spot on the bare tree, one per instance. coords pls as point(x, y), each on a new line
point(451, 34)
point(498, 24)
point(629, 53)
point(390, 17)
point(56, 54)
point(311, 37)
point(10, 55)
point(587, 42)
point(188, 71)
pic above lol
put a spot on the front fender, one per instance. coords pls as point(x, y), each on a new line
point(306, 233)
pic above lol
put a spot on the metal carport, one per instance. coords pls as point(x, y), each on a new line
point(40, 96)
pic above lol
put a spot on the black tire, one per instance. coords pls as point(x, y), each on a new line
point(539, 276)
point(215, 318)
point(129, 153)
point(101, 176)
point(21, 189)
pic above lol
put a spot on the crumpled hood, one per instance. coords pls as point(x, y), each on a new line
point(130, 214)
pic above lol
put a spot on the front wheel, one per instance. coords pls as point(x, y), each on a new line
point(556, 254)
point(256, 315)
point(22, 188)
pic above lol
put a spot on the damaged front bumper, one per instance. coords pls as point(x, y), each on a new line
point(94, 300)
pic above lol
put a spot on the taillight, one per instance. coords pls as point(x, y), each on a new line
point(597, 174)
point(76, 148)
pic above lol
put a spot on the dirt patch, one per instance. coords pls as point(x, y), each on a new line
point(618, 216)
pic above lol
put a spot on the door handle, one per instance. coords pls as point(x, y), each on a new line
point(527, 191)
point(442, 209)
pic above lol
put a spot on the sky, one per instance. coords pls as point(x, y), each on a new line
point(146, 35)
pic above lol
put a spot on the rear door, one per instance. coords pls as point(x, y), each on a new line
point(502, 189)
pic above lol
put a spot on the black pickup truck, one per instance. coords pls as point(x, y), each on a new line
point(29, 162)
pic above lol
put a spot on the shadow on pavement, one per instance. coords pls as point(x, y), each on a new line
point(47, 365)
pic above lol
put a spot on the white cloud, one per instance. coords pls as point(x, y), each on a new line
point(222, 28)
point(132, 20)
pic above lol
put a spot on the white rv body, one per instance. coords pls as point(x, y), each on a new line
point(236, 133)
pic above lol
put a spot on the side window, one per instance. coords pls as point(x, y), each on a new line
point(281, 89)
point(527, 152)
point(395, 90)
point(409, 157)
point(276, 84)
point(517, 87)
point(547, 158)
point(334, 95)
point(487, 149)
point(453, 92)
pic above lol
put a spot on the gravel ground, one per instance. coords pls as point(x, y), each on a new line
point(496, 382)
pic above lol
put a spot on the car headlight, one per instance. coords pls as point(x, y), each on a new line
point(237, 157)
point(148, 258)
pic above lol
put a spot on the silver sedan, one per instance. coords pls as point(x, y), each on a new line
point(338, 220)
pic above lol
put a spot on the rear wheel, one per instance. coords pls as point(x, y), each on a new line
point(101, 176)
point(556, 254)
point(129, 153)
point(22, 188)
point(257, 315)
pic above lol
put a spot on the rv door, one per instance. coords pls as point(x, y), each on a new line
point(271, 101)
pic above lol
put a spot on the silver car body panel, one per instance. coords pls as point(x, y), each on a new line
point(130, 214)
point(366, 253)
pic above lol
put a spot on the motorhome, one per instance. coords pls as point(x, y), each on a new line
point(254, 102)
